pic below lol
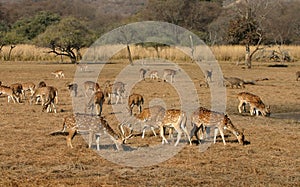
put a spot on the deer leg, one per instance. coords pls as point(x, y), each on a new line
point(54, 107)
point(98, 109)
point(215, 135)
point(162, 135)
point(252, 110)
point(98, 141)
point(179, 131)
point(69, 138)
point(152, 128)
point(222, 134)
point(187, 134)
point(240, 106)
point(90, 138)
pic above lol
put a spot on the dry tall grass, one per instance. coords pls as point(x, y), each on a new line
point(221, 53)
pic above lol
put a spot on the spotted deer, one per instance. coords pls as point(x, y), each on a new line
point(58, 74)
point(96, 101)
point(90, 86)
point(50, 99)
point(256, 104)
point(234, 81)
point(171, 73)
point(143, 73)
point(9, 92)
point(72, 87)
point(135, 99)
point(176, 119)
point(153, 75)
point(17, 89)
point(27, 86)
point(116, 89)
point(203, 118)
point(148, 118)
point(95, 126)
point(48, 96)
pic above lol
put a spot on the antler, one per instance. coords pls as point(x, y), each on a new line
point(122, 131)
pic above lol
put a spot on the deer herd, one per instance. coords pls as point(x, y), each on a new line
point(154, 117)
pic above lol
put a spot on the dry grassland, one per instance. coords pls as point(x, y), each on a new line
point(271, 157)
point(234, 53)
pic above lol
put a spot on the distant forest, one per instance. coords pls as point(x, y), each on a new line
point(214, 21)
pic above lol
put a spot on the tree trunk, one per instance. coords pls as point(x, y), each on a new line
point(129, 55)
point(248, 60)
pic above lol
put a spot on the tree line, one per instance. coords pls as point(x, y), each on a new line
point(67, 26)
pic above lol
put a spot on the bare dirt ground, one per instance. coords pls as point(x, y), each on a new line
point(271, 157)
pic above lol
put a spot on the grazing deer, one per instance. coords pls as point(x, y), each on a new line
point(97, 101)
point(135, 99)
point(234, 81)
point(148, 118)
point(28, 86)
point(50, 99)
point(58, 74)
point(117, 90)
point(72, 87)
point(48, 96)
point(176, 119)
point(154, 75)
point(202, 118)
point(10, 93)
point(171, 73)
point(143, 73)
point(297, 75)
point(76, 124)
point(256, 104)
point(90, 86)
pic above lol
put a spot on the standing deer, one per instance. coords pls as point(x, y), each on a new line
point(153, 75)
point(171, 73)
point(72, 87)
point(114, 90)
point(135, 99)
point(176, 119)
point(90, 86)
point(58, 74)
point(10, 93)
point(28, 86)
point(208, 75)
point(97, 101)
point(148, 118)
point(143, 73)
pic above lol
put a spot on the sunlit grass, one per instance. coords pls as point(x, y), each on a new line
point(236, 53)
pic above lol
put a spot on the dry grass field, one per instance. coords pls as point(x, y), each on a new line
point(271, 157)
